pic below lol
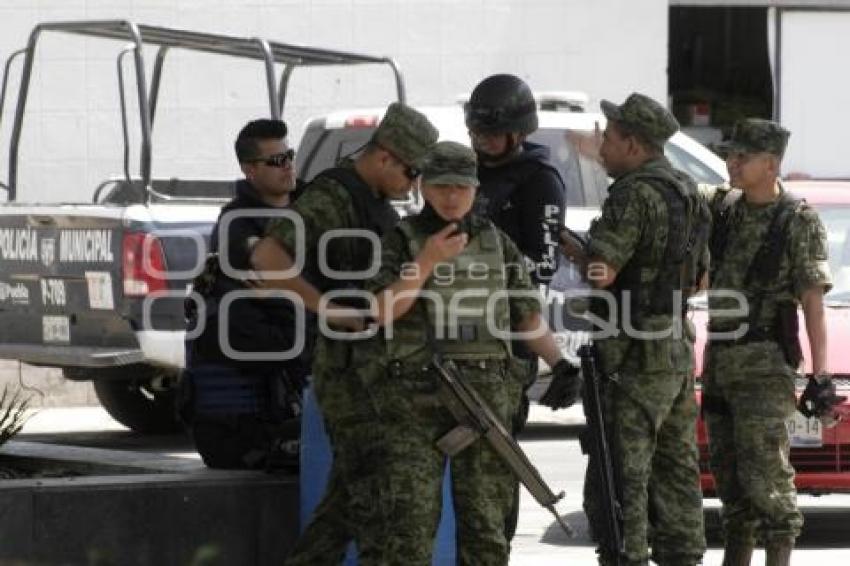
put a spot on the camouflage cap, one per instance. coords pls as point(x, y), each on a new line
point(755, 135)
point(406, 133)
point(450, 163)
point(644, 116)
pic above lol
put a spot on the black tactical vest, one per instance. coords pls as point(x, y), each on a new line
point(500, 189)
point(761, 273)
point(678, 268)
point(766, 262)
point(372, 213)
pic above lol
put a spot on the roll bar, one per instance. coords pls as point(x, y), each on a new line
point(269, 52)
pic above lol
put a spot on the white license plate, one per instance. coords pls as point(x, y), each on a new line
point(56, 329)
point(805, 433)
point(100, 290)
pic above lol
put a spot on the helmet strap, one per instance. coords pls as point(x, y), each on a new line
point(513, 148)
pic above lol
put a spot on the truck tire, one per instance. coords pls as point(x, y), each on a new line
point(138, 398)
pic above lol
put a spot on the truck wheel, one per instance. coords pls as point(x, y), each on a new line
point(145, 403)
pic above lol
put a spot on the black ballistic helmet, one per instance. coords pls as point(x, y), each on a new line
point(501, 103)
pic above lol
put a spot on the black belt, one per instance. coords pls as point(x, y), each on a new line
point(399, 367)
point(753, 335)
point(716, 405)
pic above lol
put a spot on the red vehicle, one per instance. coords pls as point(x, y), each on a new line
point(821, 456)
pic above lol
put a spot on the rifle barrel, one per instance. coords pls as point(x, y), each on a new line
point(564, 524)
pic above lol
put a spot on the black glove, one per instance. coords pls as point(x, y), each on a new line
point(565, 387)
point(819, 397)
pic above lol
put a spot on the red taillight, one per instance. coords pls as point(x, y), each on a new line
point(143, 264)
point(361, 122)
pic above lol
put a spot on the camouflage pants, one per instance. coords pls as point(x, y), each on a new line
point(385, 487)
point(327, 535)
point(349, 416)
point(399, 503)
point(652, 424)
point(748, 441)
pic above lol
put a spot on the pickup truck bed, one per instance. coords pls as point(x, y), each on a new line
point(98, 290)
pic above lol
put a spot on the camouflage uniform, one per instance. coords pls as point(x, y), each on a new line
point(401, 512)
point(328, 205)
point(748, 384)
point(650, 393)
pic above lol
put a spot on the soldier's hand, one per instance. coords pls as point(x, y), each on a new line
point(819, 399)
point(254, 281)
point(565, 387)
point(343, 318)
point(572, 246)
point(444, 245)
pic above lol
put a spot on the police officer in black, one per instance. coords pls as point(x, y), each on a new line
point(242, 401)
point(521, 191)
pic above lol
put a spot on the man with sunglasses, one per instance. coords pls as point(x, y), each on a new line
point(354, 195)
point(244, 413)
point(521, 191)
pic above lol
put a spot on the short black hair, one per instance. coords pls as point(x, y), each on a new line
point(254, 131)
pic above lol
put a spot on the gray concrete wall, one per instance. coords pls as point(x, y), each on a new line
point(72, 139)
point(237, 519)
point(45, 386)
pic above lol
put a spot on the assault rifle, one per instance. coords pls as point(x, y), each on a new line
point(475, 419)
point(599, 457)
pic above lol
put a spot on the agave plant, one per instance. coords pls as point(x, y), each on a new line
point(13, 415)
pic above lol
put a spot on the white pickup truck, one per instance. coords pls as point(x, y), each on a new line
point(97, 288)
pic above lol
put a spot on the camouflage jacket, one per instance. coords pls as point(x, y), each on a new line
point(326, 205)
point(802, 265)
point(633, 226)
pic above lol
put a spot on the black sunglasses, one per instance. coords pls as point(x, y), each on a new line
point(278, 159)
point(410, 171)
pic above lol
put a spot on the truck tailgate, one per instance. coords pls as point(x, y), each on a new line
point(62, 288)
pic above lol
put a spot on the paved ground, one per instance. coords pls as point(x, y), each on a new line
point(45, 386)
point(550, 443)
point(539, 542)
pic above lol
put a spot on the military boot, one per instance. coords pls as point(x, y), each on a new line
point(737, 553)
point(778, 552)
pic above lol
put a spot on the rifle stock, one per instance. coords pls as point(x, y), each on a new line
point(611, 539)
point(475, 419)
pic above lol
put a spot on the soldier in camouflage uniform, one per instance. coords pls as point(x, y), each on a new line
point(772, 249)
point(354, 195)
point(642, 250)
point(427, 260)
